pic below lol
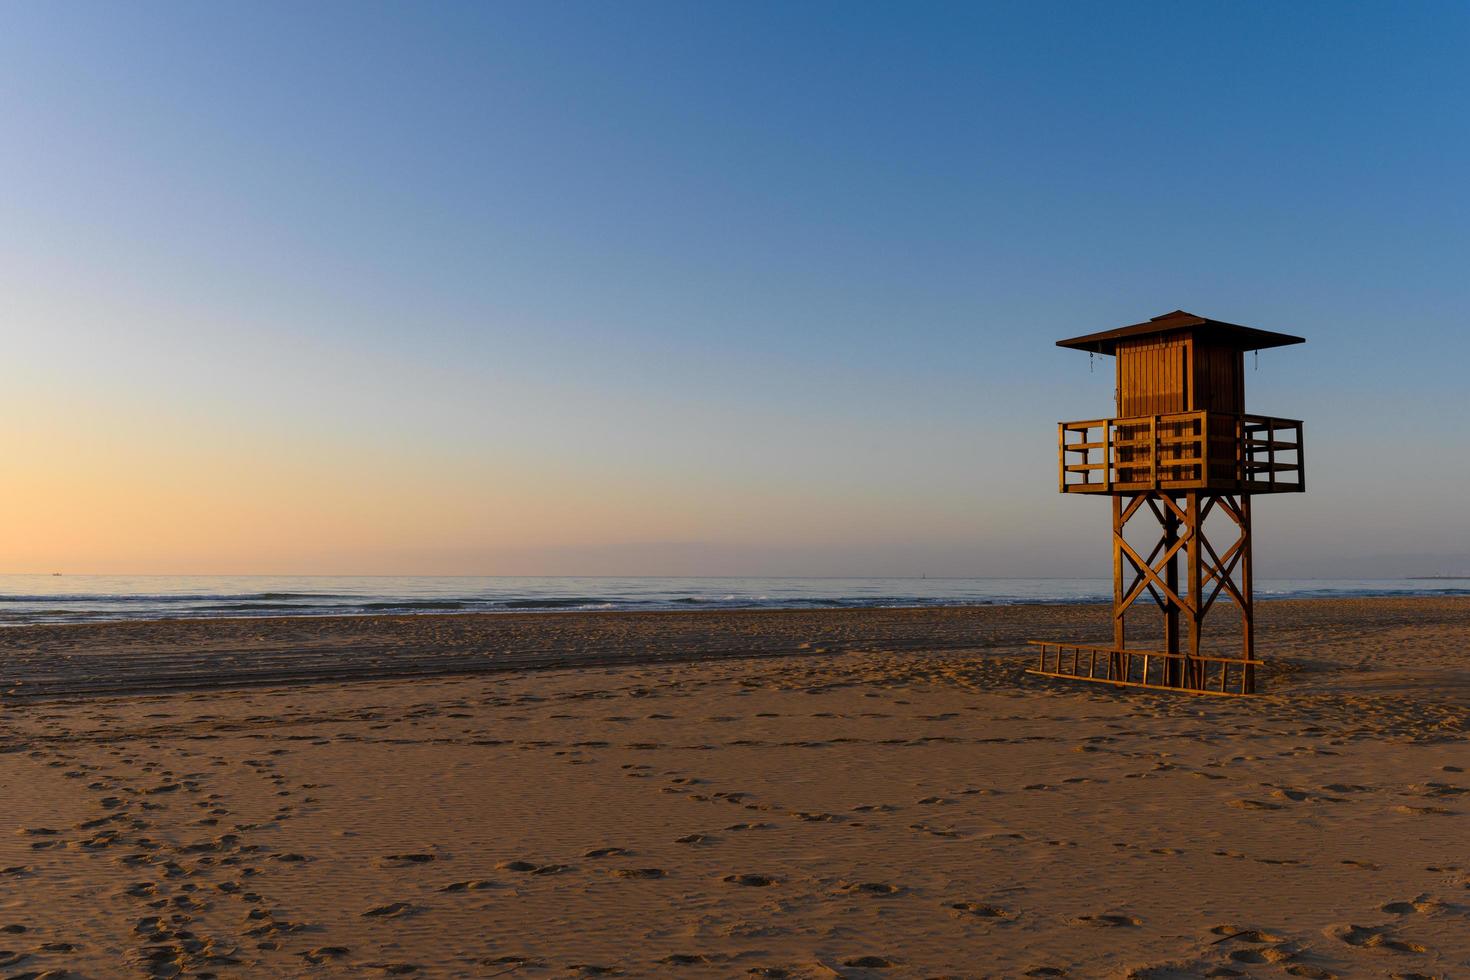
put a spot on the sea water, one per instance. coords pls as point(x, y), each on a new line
point(80, 598)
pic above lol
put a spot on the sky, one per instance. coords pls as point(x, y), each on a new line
point(708, 288)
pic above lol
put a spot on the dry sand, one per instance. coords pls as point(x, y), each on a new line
point(808, 794)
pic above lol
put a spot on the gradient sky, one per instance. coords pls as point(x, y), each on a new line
point(679, 288)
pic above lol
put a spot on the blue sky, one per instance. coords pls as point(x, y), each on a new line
point(745, 288)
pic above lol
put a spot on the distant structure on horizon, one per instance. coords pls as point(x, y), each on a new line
point(1182, 448)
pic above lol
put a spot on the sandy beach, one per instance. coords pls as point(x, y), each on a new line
point(855, 793)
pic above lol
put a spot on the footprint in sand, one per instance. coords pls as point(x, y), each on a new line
point(396, 969)
point(522, 866)
point(977, 909)
point(1265, 954)
point(1256, 805)
point(1424, 905)
point(924, 828)
point(603, 852)
point(878, 888)
point(1107, 921)
point(1371, 937)
point(694, 839)
point(402, 860)
point(324, 954)
point(514, 961)
point(639, 873)
point(526, 867)
point(751, 881)
point(1245, 934)
point(269, 925)
point(479, 884)
point(393, 910)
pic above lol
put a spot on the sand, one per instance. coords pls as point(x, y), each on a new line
point(808, 794)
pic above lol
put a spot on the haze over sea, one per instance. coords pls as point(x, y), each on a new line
point(26, 599)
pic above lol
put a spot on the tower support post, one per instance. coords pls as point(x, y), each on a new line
point(1195, 673)
point(1120, 629)
point(1248, 599)
point(1173, 669)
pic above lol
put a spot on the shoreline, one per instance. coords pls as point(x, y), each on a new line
point(123, 657)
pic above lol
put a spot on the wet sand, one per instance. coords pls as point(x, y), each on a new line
point(858, 793)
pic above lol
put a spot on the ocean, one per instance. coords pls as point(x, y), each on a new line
point(26, 599)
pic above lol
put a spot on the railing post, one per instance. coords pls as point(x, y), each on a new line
point(1271, 453)
point(1153, 450)
point(1202, 447)
point(1107, 457)
point(1301, 458)
point(1061, 457)
point(1242, 450)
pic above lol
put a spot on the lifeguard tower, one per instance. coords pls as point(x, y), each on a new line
point(1181, 448)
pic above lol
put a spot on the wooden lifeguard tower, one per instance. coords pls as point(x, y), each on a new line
point(1181, 448)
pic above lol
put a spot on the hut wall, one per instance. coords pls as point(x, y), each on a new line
point(1152, 376)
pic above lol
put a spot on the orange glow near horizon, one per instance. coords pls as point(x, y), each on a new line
point(120, 490)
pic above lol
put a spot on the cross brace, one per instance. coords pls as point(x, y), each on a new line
point(1209, 572)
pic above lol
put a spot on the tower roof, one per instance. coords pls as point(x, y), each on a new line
point(1217, 331)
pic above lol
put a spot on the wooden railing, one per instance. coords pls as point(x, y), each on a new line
point(1204, 674)
point(1181, 451)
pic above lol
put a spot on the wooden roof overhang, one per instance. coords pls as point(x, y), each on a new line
point(1215, 331)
